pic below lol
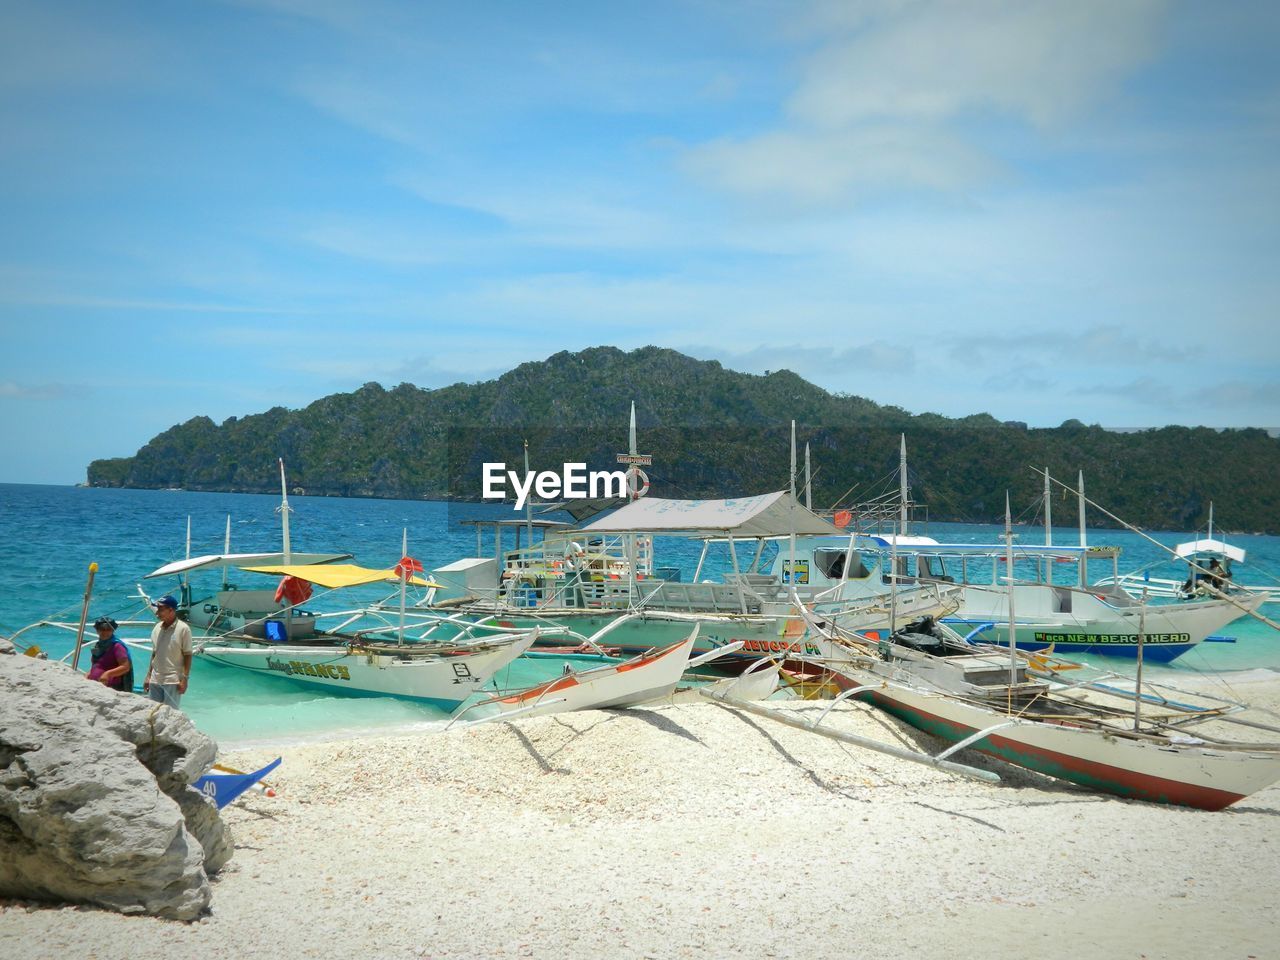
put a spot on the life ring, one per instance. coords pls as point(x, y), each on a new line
point(637, 483)
point(842, 519)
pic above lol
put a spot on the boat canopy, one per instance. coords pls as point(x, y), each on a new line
point(242, 561)
point(335, 575)
point(768, 515)
point(929, 547)
point(1220, 547)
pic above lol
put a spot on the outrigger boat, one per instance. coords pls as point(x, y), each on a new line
point(601, 579)
point(367, 652)
point(1211, 568)
point(1057, 605)
point(651, 676)
point(1150, 742)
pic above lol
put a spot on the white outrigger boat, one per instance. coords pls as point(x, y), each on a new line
point(601, 579)
point(648, 677)
point(1154, 743)
point(1211, 568)
point(1057, 604)
point(370, 650)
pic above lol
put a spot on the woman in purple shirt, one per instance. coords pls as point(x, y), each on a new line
point(112, 665)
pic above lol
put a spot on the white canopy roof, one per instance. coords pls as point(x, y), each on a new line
point(1220, 547)
point(901, 540)
point(768, 515)
point(242, 560)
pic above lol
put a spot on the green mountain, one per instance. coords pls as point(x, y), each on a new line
point(712, 432)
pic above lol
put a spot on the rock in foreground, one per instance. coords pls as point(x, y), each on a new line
point(96, 803)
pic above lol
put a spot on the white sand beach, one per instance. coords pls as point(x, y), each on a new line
point(695, 831)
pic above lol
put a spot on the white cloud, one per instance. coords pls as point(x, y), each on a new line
point(819, 364)
point(819, 168)
point(889, 96)
point(1040, 60)
point(12, 390)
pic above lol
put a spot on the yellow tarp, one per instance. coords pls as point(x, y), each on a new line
point(334, 575)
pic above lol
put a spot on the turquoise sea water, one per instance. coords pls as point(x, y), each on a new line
point(49, 535)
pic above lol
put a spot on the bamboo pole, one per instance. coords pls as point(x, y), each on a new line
point(84, 615)
point(852, 738)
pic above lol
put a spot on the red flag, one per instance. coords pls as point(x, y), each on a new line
point(407, 567)
point(293, 589)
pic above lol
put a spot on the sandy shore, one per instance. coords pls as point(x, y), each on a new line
point(693, 831)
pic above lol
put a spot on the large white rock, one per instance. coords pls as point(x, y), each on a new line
point(96, 803)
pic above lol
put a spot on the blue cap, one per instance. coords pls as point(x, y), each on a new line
point(166, 601)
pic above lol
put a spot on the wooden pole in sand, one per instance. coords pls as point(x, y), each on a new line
point(84, 615)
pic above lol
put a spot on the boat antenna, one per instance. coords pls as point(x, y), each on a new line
point(1210, 520)
point(186, 575)
point(284, 511)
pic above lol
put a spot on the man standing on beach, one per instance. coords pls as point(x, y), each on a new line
point(170, 655)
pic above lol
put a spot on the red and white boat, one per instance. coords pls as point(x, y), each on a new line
point(650, 676)
point(1088, 733)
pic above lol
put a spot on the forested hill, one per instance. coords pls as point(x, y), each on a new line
point(712, 432)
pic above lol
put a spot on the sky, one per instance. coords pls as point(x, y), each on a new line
point(1035, 209)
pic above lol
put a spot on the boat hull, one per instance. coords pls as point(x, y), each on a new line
point(772, 633)
point(640, 680)
point(1192, 776)
point(1168, 630)
point(442, 679)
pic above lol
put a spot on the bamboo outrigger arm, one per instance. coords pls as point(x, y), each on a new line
point(925, 759)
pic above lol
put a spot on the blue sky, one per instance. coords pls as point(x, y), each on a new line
point(1037, 209)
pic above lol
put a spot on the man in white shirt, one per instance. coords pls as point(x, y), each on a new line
point(170, 655)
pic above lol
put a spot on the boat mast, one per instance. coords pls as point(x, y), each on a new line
point(186, 576)
point(1008, 567)
point(1084, 563)
point(404, 567)
point(1137, 683)
point(808, 479)
point(903, 491)
point(1048, 511)
point(1211, 520)
point(633, 494)
point(893, 581)
point(528, 511)
point(226, 548)
point(284, 517)
point(791, 510)
point(1046, 569)
point(288, 548)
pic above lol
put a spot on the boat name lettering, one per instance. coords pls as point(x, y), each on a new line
point(573, 482)
point(462, 674)
point(778, 646)
point(1127, 639)
point(303, 669)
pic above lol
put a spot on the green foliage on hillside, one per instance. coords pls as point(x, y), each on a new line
point(712, 432)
